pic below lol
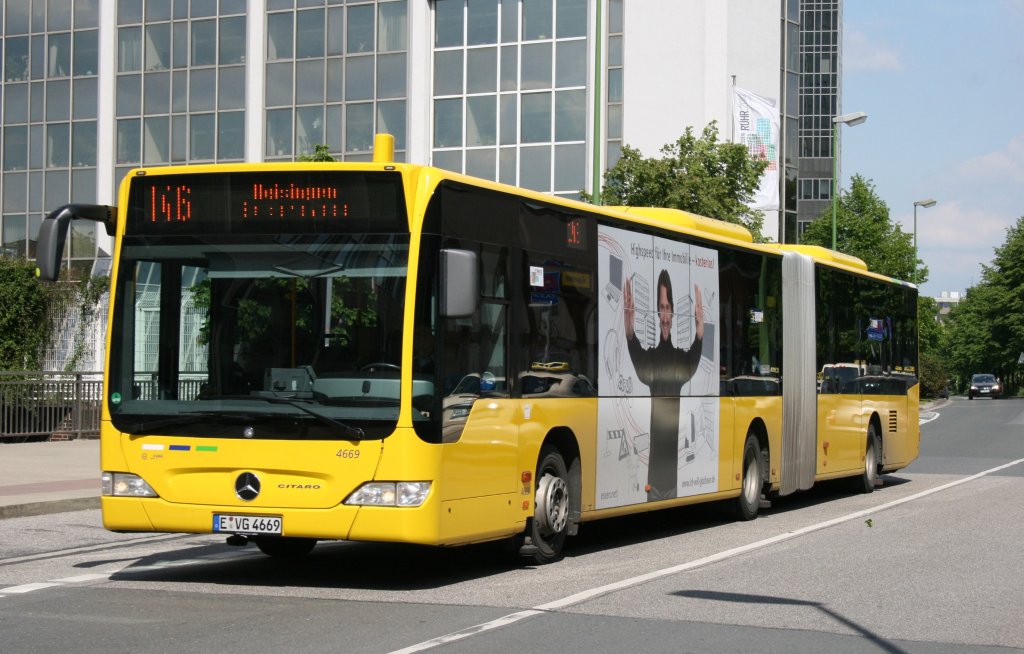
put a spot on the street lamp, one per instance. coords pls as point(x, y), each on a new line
point(920, 203)
point(856, 118)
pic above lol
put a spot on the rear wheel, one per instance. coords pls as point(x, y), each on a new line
point(285, 547)
point(866, 483)
point(550, 524)
point(749, 500)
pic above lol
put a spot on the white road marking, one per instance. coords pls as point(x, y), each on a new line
point(585, 595)
point(78, 579)
point(127, 568)
point(925, 421)
point(470, 631)
point(27, 588)
point(145, 540)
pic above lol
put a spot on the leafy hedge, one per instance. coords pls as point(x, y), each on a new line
point(23, 304)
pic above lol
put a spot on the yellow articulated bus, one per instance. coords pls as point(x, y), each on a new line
point(391, 352)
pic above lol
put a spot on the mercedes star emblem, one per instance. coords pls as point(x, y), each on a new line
point(247, 486)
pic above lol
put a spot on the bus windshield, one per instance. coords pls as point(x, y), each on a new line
point(288, 337)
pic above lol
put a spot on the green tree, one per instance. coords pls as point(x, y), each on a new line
point(85, 296)
point(933, 370)
point(968, 342)
point(934, 377)
point(27, 306)
point(986, 329)
point(1006, 275)
point(23, 303)
point(696, 174)
point(929, 330)
point(320, 152)
point(865, 230)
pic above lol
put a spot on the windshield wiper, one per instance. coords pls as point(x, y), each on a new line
point(347, 429)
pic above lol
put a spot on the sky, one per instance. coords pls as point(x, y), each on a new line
point(942, 82)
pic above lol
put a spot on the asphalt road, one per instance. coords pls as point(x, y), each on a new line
point(930, 562)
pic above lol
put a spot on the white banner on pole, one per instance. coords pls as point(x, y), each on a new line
point(756, 125)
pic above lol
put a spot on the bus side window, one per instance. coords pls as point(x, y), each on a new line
point(476, 347)
point(560, 341)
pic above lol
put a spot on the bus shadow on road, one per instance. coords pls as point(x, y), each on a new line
point(630, 530)
point(331, 565)
point(743, 598)
point(832, 490)
point(398, 567)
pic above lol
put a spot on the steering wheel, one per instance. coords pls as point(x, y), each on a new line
point(380, 365)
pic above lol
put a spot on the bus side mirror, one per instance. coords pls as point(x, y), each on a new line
point(53, 232)
point(459, 283)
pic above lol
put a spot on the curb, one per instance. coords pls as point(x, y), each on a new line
point(46, 508)
point(932, 405)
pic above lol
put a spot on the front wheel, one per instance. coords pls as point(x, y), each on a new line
point(550, 524)
point(749, 501)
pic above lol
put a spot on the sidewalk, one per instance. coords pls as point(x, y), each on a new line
point(52, 477)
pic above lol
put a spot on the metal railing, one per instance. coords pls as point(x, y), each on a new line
point(40, 406)
point(147, 387)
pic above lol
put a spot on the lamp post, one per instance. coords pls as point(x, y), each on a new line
point(856, 118)
point(920, 203)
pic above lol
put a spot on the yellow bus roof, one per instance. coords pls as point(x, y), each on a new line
point(690, 220)
point(825, 255)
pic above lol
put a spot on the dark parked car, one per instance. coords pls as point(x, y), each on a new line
point(984, 386)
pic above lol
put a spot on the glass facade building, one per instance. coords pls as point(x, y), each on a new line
point(528, 92)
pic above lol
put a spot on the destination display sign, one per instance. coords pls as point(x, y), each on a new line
point(291, 201)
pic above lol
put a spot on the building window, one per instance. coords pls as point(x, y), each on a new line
point(335, 75)
point(181, 83)
point(50, 56)
point(613, 113)
point(510, 88)
point(815, 189)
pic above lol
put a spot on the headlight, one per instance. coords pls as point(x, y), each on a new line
point(973, 387)
point(412, 493)
point(995, 387)
point(123, 484)
point(389, 493)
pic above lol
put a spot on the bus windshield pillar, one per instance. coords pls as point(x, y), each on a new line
point(170, 319)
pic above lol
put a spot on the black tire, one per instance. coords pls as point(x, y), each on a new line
point(749, 501)
point(550, 524)
point(866, 481)
point(285, 547)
